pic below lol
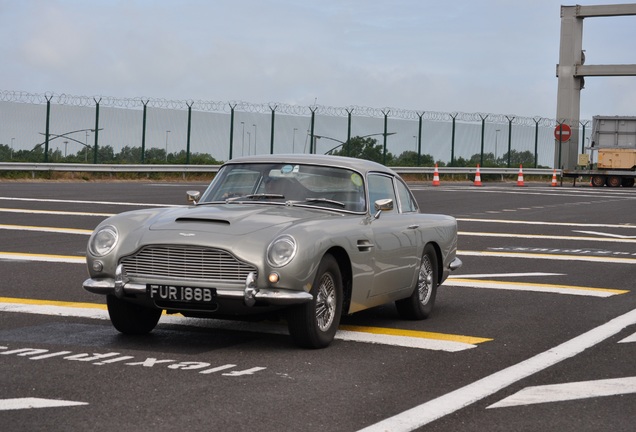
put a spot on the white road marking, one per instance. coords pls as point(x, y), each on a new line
point(403, 341)
point(412, 341)
point(451, 402)
point(536, 191)
point(607, 234)
point(504, 275)
point(629, 339)
point(522, 222)
point(28, 403)
point(14, 256)
point(569, 391)
point(46, 229)
point(616, 239)
point(522, 286)
point(53, 212)
point(601, 259)
point(118, 203)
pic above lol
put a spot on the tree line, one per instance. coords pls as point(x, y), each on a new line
point(357, 147)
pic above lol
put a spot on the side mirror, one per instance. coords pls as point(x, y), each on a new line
point(193, 197)
point(383, 205)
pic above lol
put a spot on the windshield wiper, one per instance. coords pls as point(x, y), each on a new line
point(326, 201)
point(255, 197)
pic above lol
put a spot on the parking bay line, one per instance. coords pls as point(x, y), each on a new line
point(602, 259)
point(20, 256)
point(382, 336)
point(54, 212)
point(46, 229)
point(28, 403)
point(65, 201)
point(613, 239)
point(536, 287)
point(563, 224)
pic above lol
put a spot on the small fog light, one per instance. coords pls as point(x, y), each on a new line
point(273, 278)
point(98, 266)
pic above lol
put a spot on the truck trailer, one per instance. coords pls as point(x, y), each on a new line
point(614, 141)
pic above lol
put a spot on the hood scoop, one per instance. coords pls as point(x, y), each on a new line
point(202, 219)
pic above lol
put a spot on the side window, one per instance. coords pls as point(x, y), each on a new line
point(381, 187)
point(407, 202)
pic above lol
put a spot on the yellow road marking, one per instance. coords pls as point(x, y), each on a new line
point(51, 303)
point(417, 334)
point(482, 282)
point(42, 257)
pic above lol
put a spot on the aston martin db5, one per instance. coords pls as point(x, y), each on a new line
point(304, 238)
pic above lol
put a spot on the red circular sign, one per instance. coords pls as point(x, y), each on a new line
point(562, 132)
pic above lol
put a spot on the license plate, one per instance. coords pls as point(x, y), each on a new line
point(182, 294)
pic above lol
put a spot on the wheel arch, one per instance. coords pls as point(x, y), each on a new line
point(440, 261)
point(346, 271)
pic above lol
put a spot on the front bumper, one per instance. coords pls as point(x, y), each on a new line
point(121, 287)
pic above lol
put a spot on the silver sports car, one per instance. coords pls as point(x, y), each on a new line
point(304, 237)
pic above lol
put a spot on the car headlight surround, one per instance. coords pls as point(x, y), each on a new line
point(103, 240)
point(281, 251)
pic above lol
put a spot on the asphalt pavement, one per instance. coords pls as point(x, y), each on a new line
point(536, 331)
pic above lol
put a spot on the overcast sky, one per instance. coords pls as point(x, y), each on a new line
point(489, 56)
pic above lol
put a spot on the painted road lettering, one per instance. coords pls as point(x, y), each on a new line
point(100, 359)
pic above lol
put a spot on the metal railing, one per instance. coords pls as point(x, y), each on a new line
point(147, 168)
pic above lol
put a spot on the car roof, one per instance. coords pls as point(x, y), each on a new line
point(360, 165)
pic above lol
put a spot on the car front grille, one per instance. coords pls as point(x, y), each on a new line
point(186, 262)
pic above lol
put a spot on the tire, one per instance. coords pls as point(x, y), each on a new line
point(419, 305)
point(614, 181)
point(628, 182)
point(314, 324)
point(130, 318)
point(598, 181)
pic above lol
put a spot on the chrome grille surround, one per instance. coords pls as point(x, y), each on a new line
point(186, 263)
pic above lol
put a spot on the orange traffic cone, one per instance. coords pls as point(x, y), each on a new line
point(520, 177)
point(477, 181)
point(554, 179)
point(436, 177)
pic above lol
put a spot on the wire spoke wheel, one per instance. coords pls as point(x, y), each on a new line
point(425, 280)
point(326, 302)
point(419, 305)
point(314, 324)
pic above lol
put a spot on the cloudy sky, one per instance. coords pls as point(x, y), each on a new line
point(490, 56)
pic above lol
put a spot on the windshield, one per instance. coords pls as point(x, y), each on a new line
point(322, 186)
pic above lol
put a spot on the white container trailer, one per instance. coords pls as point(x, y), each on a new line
point(614, 138)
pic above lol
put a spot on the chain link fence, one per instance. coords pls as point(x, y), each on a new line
point(67, 128)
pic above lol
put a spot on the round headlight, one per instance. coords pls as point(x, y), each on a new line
point(281, 251)
point(103, 241)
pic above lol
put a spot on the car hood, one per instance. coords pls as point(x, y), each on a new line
point(233, 219)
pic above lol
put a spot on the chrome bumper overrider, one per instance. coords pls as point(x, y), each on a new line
point(120, 286)
point(455, 264)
